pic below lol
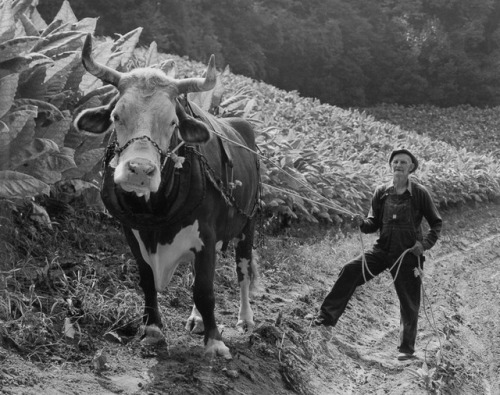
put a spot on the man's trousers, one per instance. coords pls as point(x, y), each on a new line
point(406, 283)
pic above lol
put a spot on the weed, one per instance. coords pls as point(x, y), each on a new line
point(66, 276)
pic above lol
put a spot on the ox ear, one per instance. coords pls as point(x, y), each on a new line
point(192, 130)
point(96, 120)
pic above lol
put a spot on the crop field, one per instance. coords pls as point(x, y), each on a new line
point(70, 305)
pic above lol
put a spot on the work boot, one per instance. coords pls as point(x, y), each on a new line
point(405, 356)
point(325, 321)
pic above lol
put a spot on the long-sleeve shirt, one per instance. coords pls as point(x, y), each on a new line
point(422, 206)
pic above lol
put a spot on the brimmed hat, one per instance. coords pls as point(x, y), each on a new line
point(405, 151)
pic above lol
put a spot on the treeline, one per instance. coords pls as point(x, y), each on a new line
point(344, 52)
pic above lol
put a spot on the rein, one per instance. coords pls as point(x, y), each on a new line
point(115, 149)
point(119, 150)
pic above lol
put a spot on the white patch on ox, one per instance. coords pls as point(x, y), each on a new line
point(245, 314)
point(168, 256)
point(194, 323)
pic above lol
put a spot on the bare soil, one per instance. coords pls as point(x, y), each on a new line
point(458, 341)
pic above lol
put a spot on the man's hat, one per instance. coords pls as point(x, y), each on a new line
point(405, 151)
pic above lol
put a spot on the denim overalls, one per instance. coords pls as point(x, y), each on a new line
point(397, 234)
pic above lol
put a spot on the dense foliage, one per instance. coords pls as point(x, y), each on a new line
point(344, 52)
point(317, 160)
point(462, 126)
point(42, 83)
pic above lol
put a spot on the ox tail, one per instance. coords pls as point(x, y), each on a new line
point(255, 284)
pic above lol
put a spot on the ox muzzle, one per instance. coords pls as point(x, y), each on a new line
point(138, 165)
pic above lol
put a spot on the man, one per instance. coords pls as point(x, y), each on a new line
point(396, 211)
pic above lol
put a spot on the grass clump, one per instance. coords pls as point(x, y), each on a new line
point(63, 285)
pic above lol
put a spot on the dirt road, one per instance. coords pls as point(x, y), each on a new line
point(458, 341)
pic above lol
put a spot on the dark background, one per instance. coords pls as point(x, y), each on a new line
point(344, 52)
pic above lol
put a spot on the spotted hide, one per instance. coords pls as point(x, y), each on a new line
point(177, 188)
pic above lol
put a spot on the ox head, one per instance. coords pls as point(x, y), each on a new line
point(145, 115)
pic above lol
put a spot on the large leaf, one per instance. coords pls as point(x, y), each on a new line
point(53, 113)
point(91, 141)
point(85, 162)
point(66, 13)
point(18, 185)
point(17, 118)
point(31, 84)
point(37, 59)
point(62, 42)
point(20, 32)
point(21, 63)
point(86, 25)
point(53, 26)
point(21, 6)
point(17, 47)
point(7, 24)
point(4, 145)
point(62, 160)
point(37, 20)
point(151, 57)
point(13, 66)
point(123, 48)
point(75, 77)
point(56, 131)
point(8, 88)
point(23, 139)
point(57, 75)
point(100, 93)
point(29, 27)
point(20, 155)
point(48, 167)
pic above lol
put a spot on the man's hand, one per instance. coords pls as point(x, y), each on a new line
point(358, 219)
point(417, 249)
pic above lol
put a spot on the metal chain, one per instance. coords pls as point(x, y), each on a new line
point(224, 191)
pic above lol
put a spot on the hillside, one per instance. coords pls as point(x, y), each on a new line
point(463, 126)
point(285, 354)
point(316, 151)
point(338, 156)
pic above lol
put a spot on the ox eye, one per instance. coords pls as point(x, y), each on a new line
point(116, 117)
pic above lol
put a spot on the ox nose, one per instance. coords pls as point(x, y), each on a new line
point(141, 167)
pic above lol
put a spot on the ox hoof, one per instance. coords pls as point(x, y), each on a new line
point(217, 348)
point(152, 336)
point(245, 326)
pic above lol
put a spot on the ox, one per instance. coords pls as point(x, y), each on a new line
point(176, 212)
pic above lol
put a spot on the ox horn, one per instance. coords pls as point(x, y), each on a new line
point(104, 73)
point(200, 84)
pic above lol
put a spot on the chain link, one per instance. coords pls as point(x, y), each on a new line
point(224, 191)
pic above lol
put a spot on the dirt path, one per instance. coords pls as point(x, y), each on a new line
point(286, 355)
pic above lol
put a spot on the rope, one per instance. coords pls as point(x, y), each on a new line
point(330, 206)
point(364, 263)
point(432, 322)
point(302, 183)
point(419, 272)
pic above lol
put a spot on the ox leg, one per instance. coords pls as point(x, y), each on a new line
point(151, 317)
point(204, 300)
point(246, 269)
